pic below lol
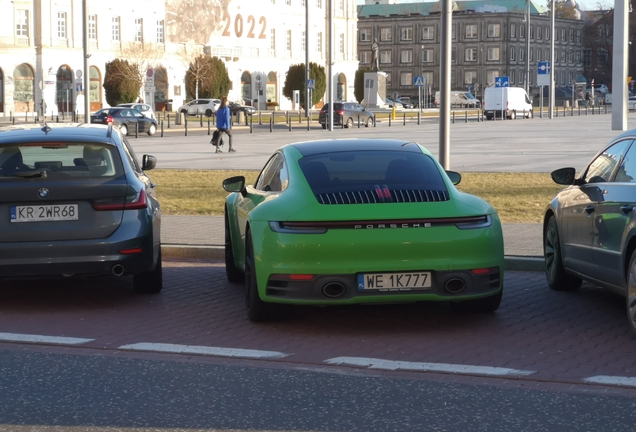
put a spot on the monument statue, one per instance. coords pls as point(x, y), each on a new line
point(375, 60)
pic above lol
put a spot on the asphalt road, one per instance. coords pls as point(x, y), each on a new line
point(536, 145)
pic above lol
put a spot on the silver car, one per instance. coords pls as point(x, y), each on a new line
point(590, 227)
point(76, 201)
point(206, 107)
point(143, 108)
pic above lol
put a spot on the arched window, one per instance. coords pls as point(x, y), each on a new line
point(23, 89)
point(95, 92)
point(161, 89)
point(341, 87)
point(246, 86)
point(64, 88)
point(272, 87)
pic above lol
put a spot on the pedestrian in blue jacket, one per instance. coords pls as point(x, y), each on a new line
point(224, 123)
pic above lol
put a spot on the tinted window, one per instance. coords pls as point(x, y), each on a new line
point(601, 169)
point(274, 176)
point(366, 170)
point(59, 161)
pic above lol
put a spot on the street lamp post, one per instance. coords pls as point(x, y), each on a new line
point(528, 49)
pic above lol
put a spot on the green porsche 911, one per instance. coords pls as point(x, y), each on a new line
point(337, 222)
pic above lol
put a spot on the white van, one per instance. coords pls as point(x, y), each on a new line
point(515, 102)
point(463, 99)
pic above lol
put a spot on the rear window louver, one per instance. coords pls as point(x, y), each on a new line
point(372, 197)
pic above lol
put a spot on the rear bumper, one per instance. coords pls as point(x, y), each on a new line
point(84, 257)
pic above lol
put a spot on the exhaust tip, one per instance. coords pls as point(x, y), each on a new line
point(118, 269)
point(334, 290)
point(455, 285)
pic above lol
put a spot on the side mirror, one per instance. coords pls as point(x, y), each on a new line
point(564, 176)
point(454, 177)
point(148, 162)
point(234, 184)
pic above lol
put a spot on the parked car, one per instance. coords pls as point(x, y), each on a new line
point(143, 108)
point(77, 201)
point(206, 107)
point(588, 228)
point(347, 113)
point(125, 119)
point(236, 107)
point(361, 221)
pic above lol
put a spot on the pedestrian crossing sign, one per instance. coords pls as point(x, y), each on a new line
point(418, 81)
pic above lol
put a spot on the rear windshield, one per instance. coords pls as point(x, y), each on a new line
point(61, 161)
point(359, 171)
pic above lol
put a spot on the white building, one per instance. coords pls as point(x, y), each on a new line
point(41, 52)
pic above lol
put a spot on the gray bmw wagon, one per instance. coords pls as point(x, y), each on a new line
point(74, 200)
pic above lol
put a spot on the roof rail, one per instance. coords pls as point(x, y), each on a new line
point(109, 132)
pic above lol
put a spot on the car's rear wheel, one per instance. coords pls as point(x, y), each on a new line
point(370, 122)
point(530, 114)
point(513, 115)
point(631, 294)
point(482, 305)
point(232, 272)
point(152, 129)
point(150, 282)
point(324, 126)
point(558, 278)
point(123, 129)
point(489, 117)
point(257, 310)
point(208, 112)
point(349, 123)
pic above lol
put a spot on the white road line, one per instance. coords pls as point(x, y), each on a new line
point(612, 380)
point(214, 351)
point(430, 367)
point(14, 337)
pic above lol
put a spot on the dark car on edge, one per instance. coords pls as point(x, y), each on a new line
point(76, 201)
point(236, 107)
point(125, 119)
point(346, 113)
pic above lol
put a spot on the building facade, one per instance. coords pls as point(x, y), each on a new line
point(41, 51)
point(489, 39)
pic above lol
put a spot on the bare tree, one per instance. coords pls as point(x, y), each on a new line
point(198, 70)
point(140, 57)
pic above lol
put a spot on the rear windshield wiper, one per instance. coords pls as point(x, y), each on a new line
point(29, 174)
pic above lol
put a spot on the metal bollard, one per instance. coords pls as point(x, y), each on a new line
point(162, 128)
point(168, 120)
point(300, 120)
point(419, 118)
point(373, 119)
point(453, 117)
point(26, 117)
point(287, 116)
point(358, 121)
point(260, 118)
point(389, 120)
point(307, 123)
point(58, 119)
point(136, 129)
point(208, 125)
point(11, 115)
point(466, 116)
point(271, 124)
point(13, 120)
point(341, 121)
point(251, 119)
point(200, 120)
point(404, 121)
point(186, 126)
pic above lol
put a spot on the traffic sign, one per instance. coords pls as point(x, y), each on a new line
point(418, 81)
point(543, 68)
point(501, 81)
point(311, 84)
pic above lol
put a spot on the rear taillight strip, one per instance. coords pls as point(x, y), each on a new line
point(140, 202)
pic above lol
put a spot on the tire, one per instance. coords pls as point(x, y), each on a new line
point(513, 115)
point(324, 126)
point(208, 112)
point(233, 273)
point(488, 117)
point(152, 129)
point(124, 130)
point(631, 294)
point(150, 282)
point(369, 122)
point(256, 309)
point(531, 114)
point(482, 305)
point(184, 112)
point(555, 273)
point(349, 123)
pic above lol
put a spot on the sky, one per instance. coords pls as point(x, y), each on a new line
point(583, 4)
